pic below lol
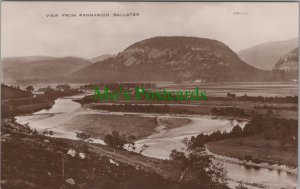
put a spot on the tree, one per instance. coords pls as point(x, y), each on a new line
point(178, 156)
point(34, 132)
point(83, 137)
point(30, 89)
point(64, 88)
point(237, 131)
point(218, 173)
point(48, 132)
point(197, 168)
point(115, 140)
point(49, 92)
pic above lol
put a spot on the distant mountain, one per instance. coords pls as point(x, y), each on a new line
point(15, 61)
point(265, 56)
point(40, 68)
point(101, 58)
point(288, 62)
point(172, 59)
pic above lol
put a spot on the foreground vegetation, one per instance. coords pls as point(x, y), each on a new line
point(45, 163)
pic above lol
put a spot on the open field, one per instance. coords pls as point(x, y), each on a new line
point(257, 148)
point(99, 125)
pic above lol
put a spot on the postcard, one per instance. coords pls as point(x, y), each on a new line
point(149, 95)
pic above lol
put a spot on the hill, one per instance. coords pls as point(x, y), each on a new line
point(264, 56)
point(40, 68)
point(11, 61)
point(288, 62)
point(101, 58)
point(172, 59)
point(13, 93)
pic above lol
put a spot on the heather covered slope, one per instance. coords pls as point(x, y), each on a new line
point(172, 59)
point(289, 62)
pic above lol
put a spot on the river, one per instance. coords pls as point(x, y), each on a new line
point(161, 143)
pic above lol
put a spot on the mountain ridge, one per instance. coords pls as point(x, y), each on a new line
point(40, 68)
point(172, 58)
point(288, 62)
point(265, 55)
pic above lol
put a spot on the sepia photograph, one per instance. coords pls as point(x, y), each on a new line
point(149, 95)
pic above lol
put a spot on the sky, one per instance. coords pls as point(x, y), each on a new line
point(27, 31)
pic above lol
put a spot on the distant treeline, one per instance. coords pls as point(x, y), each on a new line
point(287, 99)
point(294, 108)
point(59, 91)
point(142, 109)
point(117, 86)
point(271, 128)
point(228, 111)
point(231, 96)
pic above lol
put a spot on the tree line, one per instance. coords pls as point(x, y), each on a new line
point(271, 128)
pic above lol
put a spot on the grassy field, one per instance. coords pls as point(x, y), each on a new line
point(99, 125)
point(258, 148)
point(174, 122)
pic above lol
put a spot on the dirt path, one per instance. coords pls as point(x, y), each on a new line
point(138, 161)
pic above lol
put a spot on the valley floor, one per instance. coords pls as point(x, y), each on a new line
point(256, 149)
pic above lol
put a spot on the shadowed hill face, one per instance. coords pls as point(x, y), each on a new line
point(13, 93)
point(172, 59)
point(288, 62)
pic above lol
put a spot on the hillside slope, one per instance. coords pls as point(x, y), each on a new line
point(264, 56)
point(172, 59)
point(288, 62)
point(13, 93)
point(100, 58)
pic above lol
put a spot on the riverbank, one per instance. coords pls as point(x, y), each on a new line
point(15, 101)
point(256, 151)
point(25, 105)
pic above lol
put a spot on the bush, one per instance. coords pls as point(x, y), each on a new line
point(115, 140)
